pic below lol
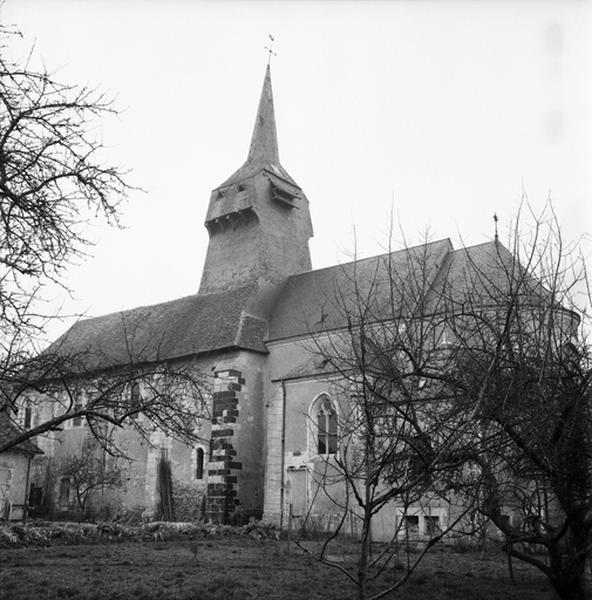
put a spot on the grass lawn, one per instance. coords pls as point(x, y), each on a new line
point(226, 569)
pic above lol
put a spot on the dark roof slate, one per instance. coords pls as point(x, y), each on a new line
point(318, 300)
point(309, 302)
point(183, 327)
point(480, 273)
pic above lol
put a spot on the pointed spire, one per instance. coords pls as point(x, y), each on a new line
point(263, 152)
point(264, 145)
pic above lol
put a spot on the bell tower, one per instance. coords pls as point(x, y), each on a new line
point(258, 219)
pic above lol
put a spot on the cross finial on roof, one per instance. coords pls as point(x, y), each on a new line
point(270, 49)
point(495, 220)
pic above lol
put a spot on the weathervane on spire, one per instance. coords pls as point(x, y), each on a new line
point(270, 49)
point(495, 220)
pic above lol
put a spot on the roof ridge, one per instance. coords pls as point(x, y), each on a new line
point(374, 257)
point(171, 301)
point(488, 243)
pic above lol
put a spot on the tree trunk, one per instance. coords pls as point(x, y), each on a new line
point(364, 555)
point(570, 583)
point(570, 589)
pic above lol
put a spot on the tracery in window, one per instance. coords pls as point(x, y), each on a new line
point(135, 399)
point(325, 419)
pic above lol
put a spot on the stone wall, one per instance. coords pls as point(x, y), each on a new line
point(259, 239)
point(13, 484)
point(138, 489)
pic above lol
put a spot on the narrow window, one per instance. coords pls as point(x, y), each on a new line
point(28, 415)
point(321, 438)
point(326, 425)
point(199, 467)
point(64, 495)
point(135, 400)
point(77, 421)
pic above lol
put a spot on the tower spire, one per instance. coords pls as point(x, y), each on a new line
point(264, 144)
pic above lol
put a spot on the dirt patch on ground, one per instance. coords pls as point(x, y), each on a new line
point(227, 569)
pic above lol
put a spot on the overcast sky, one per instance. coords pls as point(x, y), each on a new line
point(444, 111)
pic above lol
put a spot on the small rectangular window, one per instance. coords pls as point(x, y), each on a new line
point(411, 524)
point(77, 421)
point(432, 525)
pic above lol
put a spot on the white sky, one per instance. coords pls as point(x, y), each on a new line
point(443, 110)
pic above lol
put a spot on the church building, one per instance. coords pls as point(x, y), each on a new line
point(259, 301)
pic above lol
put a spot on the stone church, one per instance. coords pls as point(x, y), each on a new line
point(257, 302)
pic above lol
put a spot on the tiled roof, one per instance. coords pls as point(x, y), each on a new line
point(9, 431)
point(481, 272)
point(309, 302)
point(319, 300)
point(183, 327)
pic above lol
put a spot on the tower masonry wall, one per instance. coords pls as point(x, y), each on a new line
point(267, 240)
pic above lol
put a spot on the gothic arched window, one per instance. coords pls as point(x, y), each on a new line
point(325, 419)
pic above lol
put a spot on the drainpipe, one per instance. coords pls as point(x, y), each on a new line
point(282, 459)
point(26, 507)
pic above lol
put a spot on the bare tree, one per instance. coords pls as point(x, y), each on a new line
point(467, 376)
point(523, 360)
point(54, 181)
point(87, 469)
point(401, 435)
point(171, 396)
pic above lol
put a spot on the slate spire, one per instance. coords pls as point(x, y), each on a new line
point(263, 151)
point(264, 145)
